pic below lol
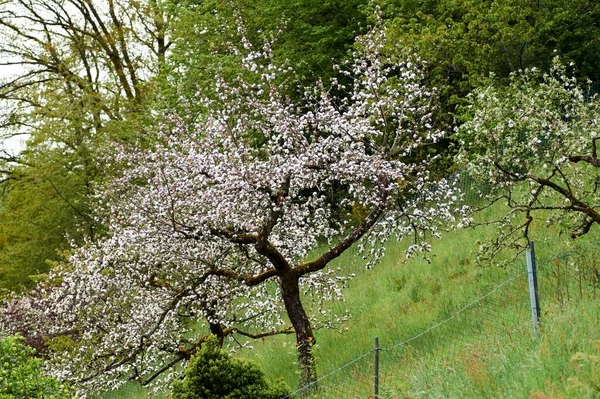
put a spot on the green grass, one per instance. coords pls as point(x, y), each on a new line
point(486, 350)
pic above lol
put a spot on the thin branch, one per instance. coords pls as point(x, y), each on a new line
point(356, 234)
point(288, 330)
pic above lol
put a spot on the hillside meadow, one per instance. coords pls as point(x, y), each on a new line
point(449, 327)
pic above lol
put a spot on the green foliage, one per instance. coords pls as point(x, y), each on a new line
point(22, 375)
point(213, 374)
point(308, 35)
point(313, 34)
point(464, 41)
point(44, 207)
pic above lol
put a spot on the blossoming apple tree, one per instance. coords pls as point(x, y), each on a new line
point(217, 212)
point(536, 141)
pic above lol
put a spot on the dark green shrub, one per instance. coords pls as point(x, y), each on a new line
point(22, 376)
point(214, 374)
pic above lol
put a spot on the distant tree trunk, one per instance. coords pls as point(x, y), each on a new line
point(218, 331)
point(305, 339)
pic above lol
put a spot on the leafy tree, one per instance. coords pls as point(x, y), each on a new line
point(214, 374)
point(535, 141)
point(466, 40)
point(22, 375)
point(45, 208)
point(77, 79)
point(571, 30)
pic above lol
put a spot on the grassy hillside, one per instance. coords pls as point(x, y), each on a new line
point(460, 345)
point(450, 328)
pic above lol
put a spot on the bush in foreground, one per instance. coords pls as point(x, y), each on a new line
point(214, 374)
point(22, 375)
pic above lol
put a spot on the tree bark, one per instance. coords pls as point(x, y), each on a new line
point(290, 291)
point(218, 331)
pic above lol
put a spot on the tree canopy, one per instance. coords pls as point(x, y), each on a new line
point(535, 141)
point(80, 73)
point(464, 41)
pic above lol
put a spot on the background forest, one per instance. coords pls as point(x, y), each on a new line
point(118, 103)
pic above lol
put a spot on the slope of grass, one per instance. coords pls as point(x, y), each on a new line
point(450, 328)
point(487, 349)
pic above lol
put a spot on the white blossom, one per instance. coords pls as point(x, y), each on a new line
point(251, 192)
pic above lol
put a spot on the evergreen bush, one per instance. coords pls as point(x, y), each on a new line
point(214, 374)
point(22, 375)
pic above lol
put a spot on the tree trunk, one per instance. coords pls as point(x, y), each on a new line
point(217, 330)
point(305, 339)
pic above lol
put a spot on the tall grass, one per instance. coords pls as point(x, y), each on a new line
point(485, 350)
point(488, 350)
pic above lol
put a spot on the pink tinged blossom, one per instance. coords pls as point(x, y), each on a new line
point(256, 165)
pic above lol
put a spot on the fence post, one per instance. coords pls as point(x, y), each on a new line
point(376, 373)
point(533, 287)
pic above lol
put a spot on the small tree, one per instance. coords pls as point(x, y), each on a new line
point(536, 142)
point(214, 374)
point(22, 375)
point(253, 177)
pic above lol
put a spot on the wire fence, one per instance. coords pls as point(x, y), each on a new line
point(467, 339)
point(466, 335)
point(473, 190)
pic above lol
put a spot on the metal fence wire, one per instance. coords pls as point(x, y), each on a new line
point(465, 338)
